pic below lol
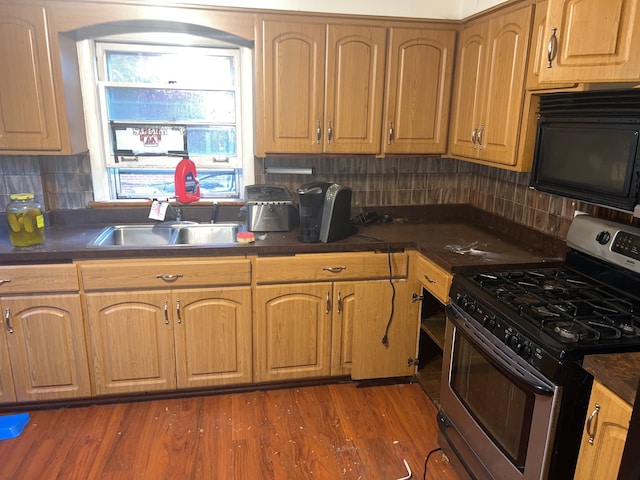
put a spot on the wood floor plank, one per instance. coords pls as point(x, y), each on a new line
point(327, 432)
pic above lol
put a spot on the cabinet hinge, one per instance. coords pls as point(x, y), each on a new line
point(412, 361)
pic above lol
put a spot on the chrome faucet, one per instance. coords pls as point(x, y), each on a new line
point(214, 212)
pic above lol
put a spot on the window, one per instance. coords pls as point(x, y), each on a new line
point(148, 105)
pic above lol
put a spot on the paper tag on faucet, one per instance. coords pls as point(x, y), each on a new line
point(158, 210)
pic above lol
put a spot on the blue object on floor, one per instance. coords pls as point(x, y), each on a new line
point(12, 425)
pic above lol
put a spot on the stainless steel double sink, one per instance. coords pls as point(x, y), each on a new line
point(180, 233)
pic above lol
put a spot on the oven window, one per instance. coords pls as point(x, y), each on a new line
point(499, 406)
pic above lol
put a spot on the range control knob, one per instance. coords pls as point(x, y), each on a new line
point(525, 351)
point(489, 322)
point(513, 342)
point(603, 237)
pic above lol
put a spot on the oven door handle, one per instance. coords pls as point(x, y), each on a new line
point(525, 376)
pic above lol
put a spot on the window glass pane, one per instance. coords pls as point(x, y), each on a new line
point(169, 105)
point(161, 68)
point(138, 183)
point(212, 140)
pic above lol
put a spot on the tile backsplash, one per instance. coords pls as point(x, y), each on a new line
point(64, 182)
point(59, 182)
point(434, 180)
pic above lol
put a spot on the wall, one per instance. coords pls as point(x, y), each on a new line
point(451, 9)
point(65, 183)
point(427, 181)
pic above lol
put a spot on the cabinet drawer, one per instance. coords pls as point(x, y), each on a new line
point(433, 278)
point(173, 273)
point(313, 267)
point(38, 278)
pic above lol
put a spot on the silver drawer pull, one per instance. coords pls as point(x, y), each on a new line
point(169, 278)
point(7, 321)
point(590, 420)
point(335, 269)
point(429, 279)
point(6, 280)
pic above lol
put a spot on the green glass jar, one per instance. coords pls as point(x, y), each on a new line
point(26, 221)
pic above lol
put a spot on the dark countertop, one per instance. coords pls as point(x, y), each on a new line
point(619, 372)
point(457, 237)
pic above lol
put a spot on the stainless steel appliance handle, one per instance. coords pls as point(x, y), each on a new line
point(500, 354)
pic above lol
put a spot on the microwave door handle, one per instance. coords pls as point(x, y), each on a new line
point(523, 377)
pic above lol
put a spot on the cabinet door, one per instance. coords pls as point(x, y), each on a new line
point(28, 111)
point(608, 419)
point(342, 327)
point(47, 347)
point(503, 89)
point(212, 336)
point(7, 391)
point(468, 96)
point(375, 312)
point(292, 331)
point(132, 343)
point(355, 83)
point(418, 91)
point(597, 41)
point(292, 87)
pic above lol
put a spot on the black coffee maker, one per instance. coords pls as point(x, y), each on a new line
point(325, 212)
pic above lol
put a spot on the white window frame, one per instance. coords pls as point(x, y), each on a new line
point(98, 137)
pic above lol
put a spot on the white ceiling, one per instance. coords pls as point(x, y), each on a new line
point(438, 9)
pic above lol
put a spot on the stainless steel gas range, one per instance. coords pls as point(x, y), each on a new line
point(514, 395)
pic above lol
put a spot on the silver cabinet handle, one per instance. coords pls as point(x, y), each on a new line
point(318, 131)
point(330, 133)
point(474, 136)
point(6, 280)
point(590, 420)
point(390, 133)
point(339, 306)
point(166, 312)
point(429, 279)
point(7, 321)
point(480, 135)
point(169, 278)
point(327, 307)
point(552, 47)
point(334, 269)
point(178, 312)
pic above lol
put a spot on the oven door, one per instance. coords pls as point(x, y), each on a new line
point(498, 414)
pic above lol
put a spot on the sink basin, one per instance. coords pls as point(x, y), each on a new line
point(142, 235)
point(203, 234)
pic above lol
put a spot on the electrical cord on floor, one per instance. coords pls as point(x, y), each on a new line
point(426, 460)
point(385, 338)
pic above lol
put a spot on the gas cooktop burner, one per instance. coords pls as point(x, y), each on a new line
point(572, 332)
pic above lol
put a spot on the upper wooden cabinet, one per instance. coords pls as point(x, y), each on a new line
point(592, 41)
point(320, 87)
point(33, 115)
point(489, 89)
point(418, 90)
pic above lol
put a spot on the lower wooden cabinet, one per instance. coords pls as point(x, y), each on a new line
point(162, 340)
point(43, 352)
point(325, 314)
point(604, 435)
point(45, 336)
point(383, 311)
point(303, 330)
point(165, 324)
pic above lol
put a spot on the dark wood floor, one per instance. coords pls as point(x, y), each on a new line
point(317, 432)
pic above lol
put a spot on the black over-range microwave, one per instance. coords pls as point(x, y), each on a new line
point(587, 147)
